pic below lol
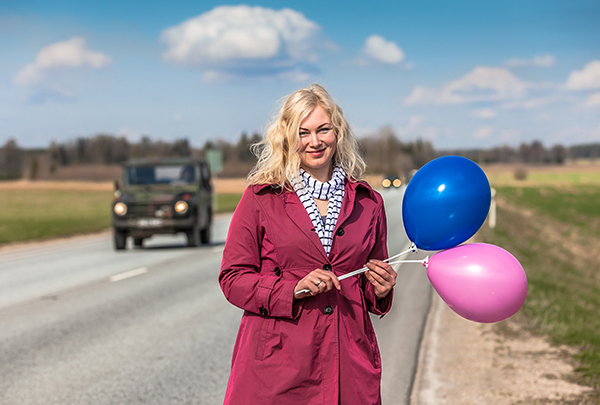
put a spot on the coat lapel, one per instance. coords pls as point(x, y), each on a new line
point(297, 213)
point(347, 204)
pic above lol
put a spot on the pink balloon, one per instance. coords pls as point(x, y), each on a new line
point(480, 282)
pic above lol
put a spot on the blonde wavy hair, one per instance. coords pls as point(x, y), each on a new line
point(278, 160)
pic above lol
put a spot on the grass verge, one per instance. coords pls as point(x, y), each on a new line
point(547, 230)
point(29, 214)
point(228, 202)
point(43, 214)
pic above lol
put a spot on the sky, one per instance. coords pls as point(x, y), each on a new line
point(460, 74)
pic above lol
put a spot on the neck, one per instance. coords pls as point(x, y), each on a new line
point(322, 174)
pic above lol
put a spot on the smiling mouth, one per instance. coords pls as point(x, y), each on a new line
point(316, 152)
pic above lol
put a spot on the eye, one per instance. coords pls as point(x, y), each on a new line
point(303, 134)
point(325, 130)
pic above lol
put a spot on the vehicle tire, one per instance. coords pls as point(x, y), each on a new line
point(205, 233)
point(193, 237)
point(120, 239)
point(137, 242)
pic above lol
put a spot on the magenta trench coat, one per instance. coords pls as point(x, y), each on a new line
point(317, 350)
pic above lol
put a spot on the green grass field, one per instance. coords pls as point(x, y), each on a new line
point(44, 214)
point(576, 205)
point(558, 247)
point(227, 202)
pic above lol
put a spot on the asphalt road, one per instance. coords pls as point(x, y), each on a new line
point(83, 324)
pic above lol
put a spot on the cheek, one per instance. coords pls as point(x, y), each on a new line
point(302, 143)
point(333, 144)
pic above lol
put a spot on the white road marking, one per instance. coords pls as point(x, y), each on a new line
point(128, 274)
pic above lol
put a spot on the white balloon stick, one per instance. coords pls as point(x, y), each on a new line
point(412, 248)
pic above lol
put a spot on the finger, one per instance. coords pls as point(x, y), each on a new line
point(382, 265)
point(379, 271)
point(375, 279)
point(334, 281)
point(328, 277)
point(383, 283)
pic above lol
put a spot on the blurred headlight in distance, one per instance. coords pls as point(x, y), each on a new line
point(181, 207)
point(120, 209)
point(386, 183)
point(397, 182)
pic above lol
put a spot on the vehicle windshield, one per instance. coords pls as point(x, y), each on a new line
point(163, 174)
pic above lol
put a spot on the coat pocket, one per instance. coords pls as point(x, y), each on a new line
point(268, 340)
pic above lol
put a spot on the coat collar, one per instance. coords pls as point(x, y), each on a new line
point(296, 211)
point(350, 185)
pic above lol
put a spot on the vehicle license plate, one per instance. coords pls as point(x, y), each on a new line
point(149, 222)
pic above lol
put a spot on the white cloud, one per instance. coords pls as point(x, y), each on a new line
point(592, 101)
point(586, 79)
point(544, 116)
point(71, 54)
point(541, 61)
point(233, 41)
point(413, 124)
point(414, 129)
point(382, 51)
point(481, 84)
point(484, 113)
point(532, 103)
point(483, 132)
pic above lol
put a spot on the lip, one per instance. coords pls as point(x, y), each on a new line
point(316, 153)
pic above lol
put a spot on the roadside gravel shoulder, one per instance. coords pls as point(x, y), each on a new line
point(464, 362)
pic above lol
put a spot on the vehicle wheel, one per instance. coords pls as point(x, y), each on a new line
point(137, 242)
point(205, 235)
point(193, 237)
point(120, 239)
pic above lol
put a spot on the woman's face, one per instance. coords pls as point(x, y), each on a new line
point(317, 144)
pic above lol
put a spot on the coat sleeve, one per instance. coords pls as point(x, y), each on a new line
point(379, 251)
point(243, 282)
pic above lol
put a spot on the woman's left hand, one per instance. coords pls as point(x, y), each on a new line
point(382, 276)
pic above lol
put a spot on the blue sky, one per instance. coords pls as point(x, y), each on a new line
point(460, 74)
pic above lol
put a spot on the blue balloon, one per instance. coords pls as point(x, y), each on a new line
point(445, 203)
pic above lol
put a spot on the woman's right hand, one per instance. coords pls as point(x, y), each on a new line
point(316, 282)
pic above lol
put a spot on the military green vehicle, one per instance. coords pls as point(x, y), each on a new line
point(163, 196)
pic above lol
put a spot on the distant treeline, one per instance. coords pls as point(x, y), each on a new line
point(383, 151)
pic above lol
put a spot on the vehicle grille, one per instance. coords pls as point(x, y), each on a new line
point(150, 211)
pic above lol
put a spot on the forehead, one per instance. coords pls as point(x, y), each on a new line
point(316, 117)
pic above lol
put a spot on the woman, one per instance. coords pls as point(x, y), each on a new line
point(306, 337)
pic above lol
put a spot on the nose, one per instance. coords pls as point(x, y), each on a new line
point(314, 140)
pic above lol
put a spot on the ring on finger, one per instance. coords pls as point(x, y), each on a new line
point(318, 283)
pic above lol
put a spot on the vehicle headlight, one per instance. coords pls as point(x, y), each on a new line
point(120, 209)
point(397, 183)
point(181, 207)
point(386, 183)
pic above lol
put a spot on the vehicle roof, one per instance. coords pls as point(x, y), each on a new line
point(162, 161)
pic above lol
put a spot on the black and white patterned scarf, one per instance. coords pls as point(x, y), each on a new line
point(307, 188)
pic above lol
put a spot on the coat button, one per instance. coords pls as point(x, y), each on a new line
point(277, 271)
point(263, 311)
point(327, 267)
point(328, 310)
point(340, 231)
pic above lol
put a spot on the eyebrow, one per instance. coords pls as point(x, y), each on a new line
point(319, 127)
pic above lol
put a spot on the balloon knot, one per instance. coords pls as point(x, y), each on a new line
point(426, 262)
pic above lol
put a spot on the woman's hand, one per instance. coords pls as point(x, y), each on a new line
point(382, 276)
point(316, 282)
